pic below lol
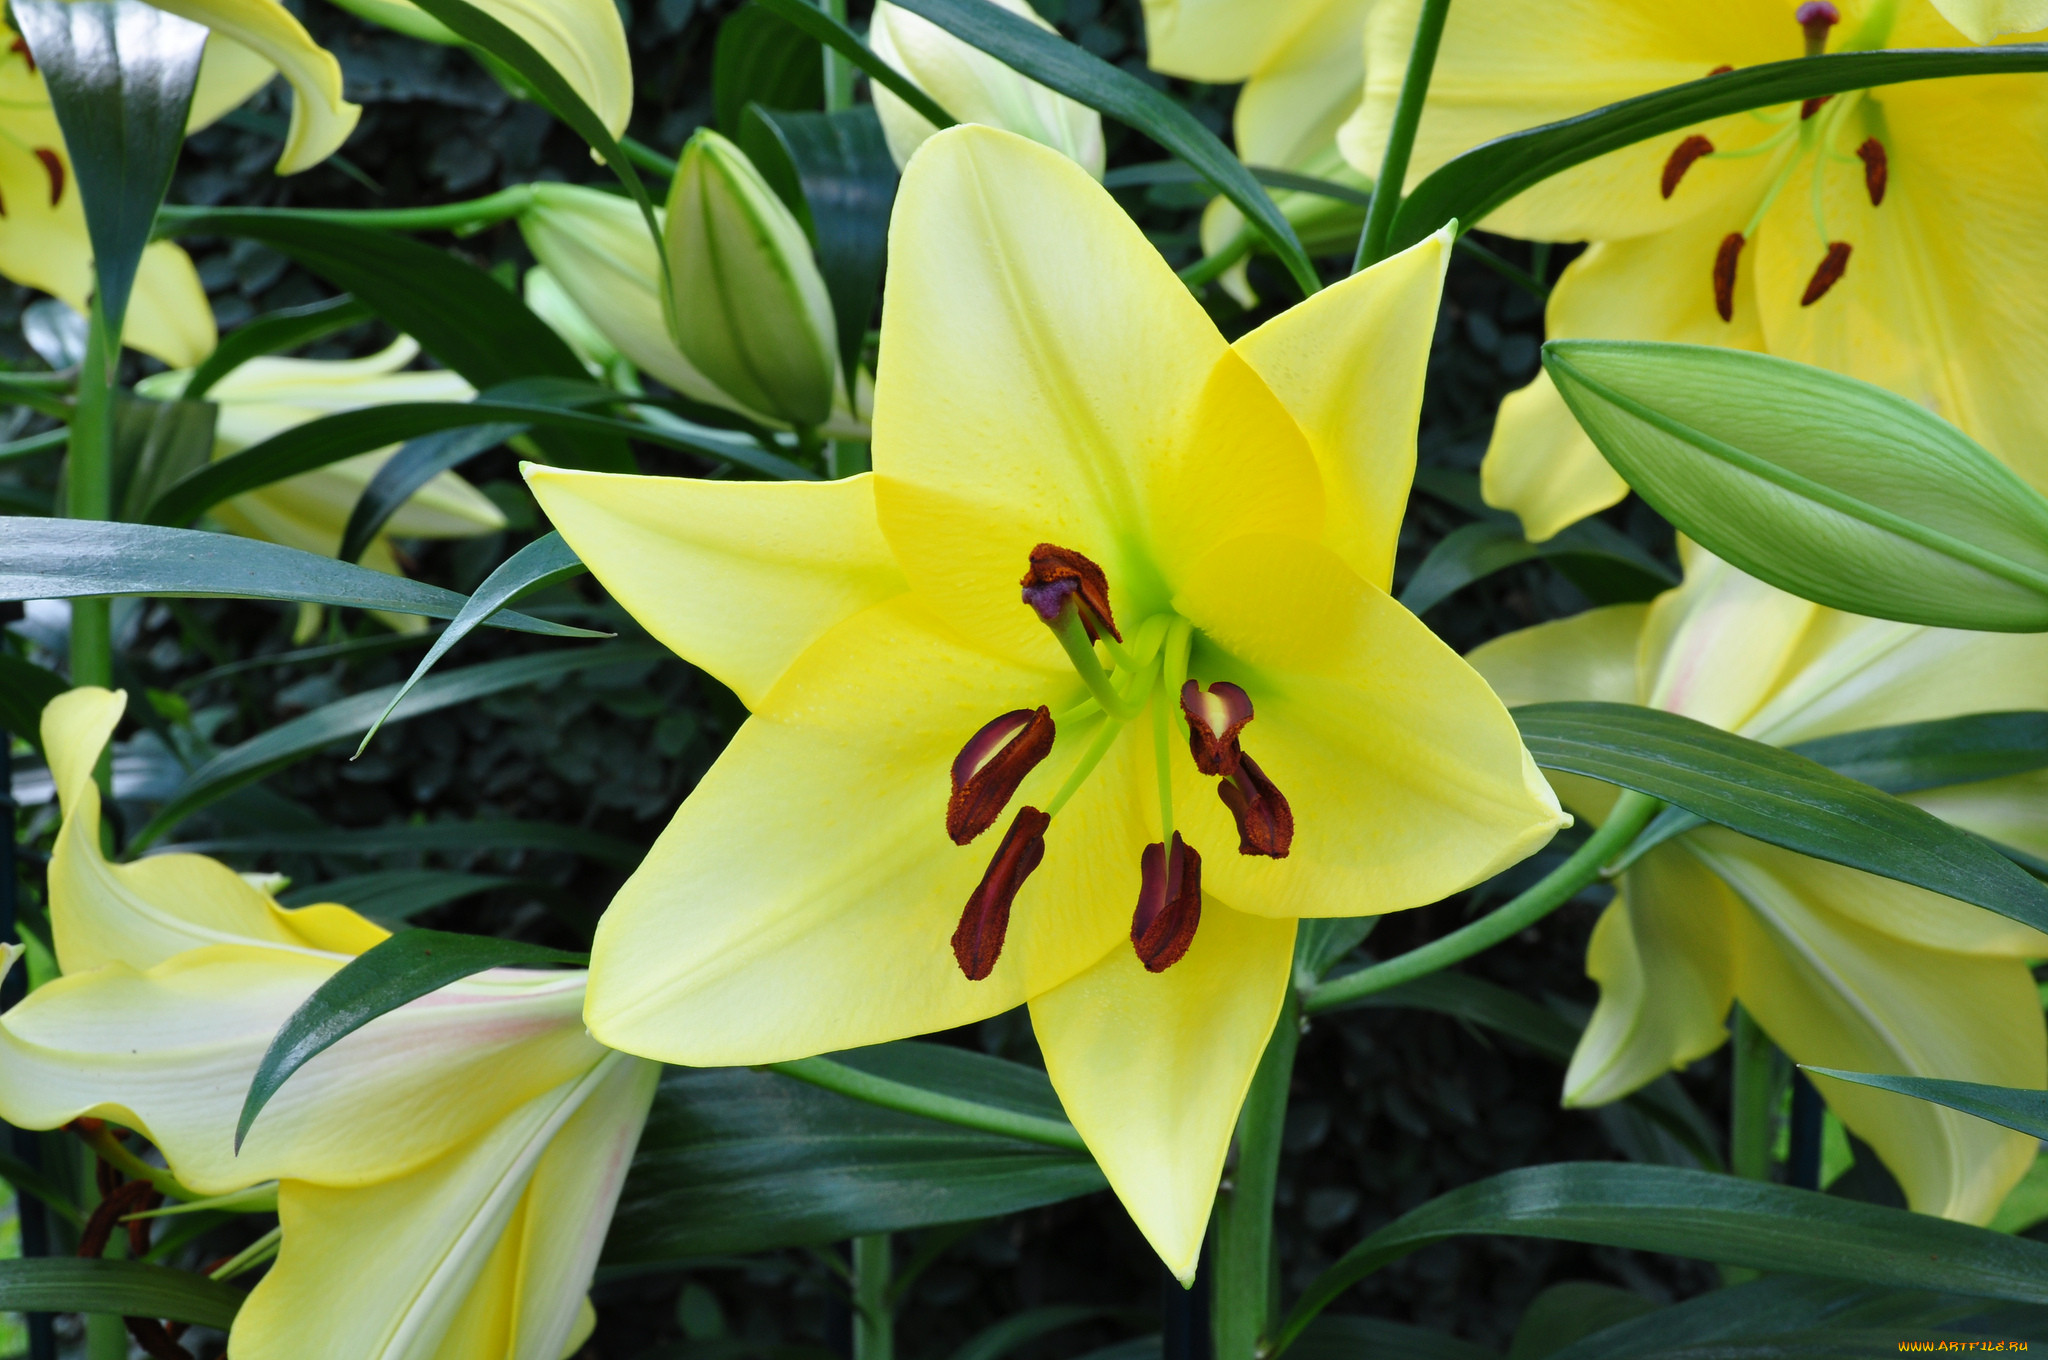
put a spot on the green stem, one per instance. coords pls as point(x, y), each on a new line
point(1632, 812)
point(1073, 636)
point(874, 1319)
point(897, 1095)
point(838, 70)
point(1387, 189)
point(1755, 1096)
point(1210, 267)
point(89, 489)
point(646, 157)
point(464, 217)
point(1243, 1302)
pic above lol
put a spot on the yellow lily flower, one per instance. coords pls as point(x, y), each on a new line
point(975, 88)
point(1883, 233)
point(1841, 968)
point(266, 30)
point(445, 1174)
point(269, 395)
point(1303, 67)
point(1053, 403)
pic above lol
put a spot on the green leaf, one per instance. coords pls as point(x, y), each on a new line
point(544, 562)
point(1572, 1311)
point(69, 1284)
point(814, 21)
point(1336, 1336)
point(273, 333)
point(1474, 184)
point(1474, 551)
point(1938, 753)
point(403, 968)
point(1830, 488)
point(396, 894)
point(762, 58)
point(156, 444)
point(485, 835)
point(2024, 1110)
point(415, 464)
point(1082, 76)
point(25, 688)
point(739, 1161)
point(1707, 1217)
point(845, 183)
point(998, 1339)
point(63, 559)
point(331, 438)
point(28, 1181)
point(120, 76)
point(1778, 797)
point(288, 743)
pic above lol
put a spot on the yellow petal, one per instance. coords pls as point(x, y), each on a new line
point(1348, 365)
point(1302, 89)
point(1221, 41)
point(482, 1255)
point(148, 911)
point(1984, 20)
point(1152, 1067)
point(172, 1050)
point(1714, 648)
point(1589, 656)
point(1540, 465)
point(169, 317)
point(805, 896)
point(321, 118)
point(1039, 360)
point(229, 74)
point(736, 577)
point(585, 41)
point(1833, 993)
point(2012, 811)
point(1662, 957)
point(1407, 778)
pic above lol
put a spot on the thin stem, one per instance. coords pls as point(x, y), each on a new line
point(1210, 267)
point(110, 1150)
point(1073, 636)
point(1162, 759)
point(463, 217)
point(89, 489)
point(647, 158)
point(1387, 189)
point(838, 72)
point(1632, 812)
point(1750, 1110)
point(1099, 747)
point(249, 1257)
point(897, 1095)
point(1243, 1302)
point(874, 1319)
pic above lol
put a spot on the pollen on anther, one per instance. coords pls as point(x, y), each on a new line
point(1725, 260)
point(1829, 272)
point(991, 766)
point(1682, 158)
point(1877, 171)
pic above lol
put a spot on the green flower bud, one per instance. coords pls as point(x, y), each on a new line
point(751, 312)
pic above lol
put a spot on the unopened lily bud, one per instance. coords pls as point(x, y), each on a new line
point(751, 311)
point(975, 88)
point(548, 300)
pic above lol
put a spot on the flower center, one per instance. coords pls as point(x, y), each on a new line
point(1824, 124)
point(1070, 595)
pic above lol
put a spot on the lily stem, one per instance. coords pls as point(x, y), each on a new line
point(1073, 637)
point(838, 76)
point(902, 1096)
point(1244, 1301)
point(1387, 189)
point(89, 488)
point(460, 218)
point(1632, 812)
point(1755, 1096)
point(874, 1319)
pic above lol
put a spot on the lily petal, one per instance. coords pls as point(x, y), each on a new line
point(145, 912)
point(1984, 20)
point(229, 76)
point(1221, 42)
point(321, 118)
point(1666, 970)
point(169, 317)
point(805, 896)
point(1408, 779)
point(1589, 656)
point(1348, 365)
point(484, 1255)
point(1302, 88)
point(2012, 811)
point(1152, 1067)
point(736, 577)
point(1714, 648)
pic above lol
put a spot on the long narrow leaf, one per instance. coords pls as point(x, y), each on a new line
point(286, 329)
point(465, 836)
point(1778, 797)
point(418, 462)
point(2026, 1111)
point(403, 968)
point(814, 21)
point(69, 1284)
point(25, 688)
point(396, 894)
point(1473, 552)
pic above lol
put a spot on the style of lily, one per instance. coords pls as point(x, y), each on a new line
point(1303, 69)
point(1112, 798)
point(269, 395)
point(445, 1175)
point(975, 88)
point(1841, 968)
point(1885, 233)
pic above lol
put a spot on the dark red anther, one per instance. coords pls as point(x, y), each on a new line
point(1265, 824)
point(1682, 157)
point(53, 166)
point(1719, 71)
point(1816, 17)
point(978, 939)
point(991, 766)
point(1169, 904)
point(20, 47)
point(1724, 274)
point(1058, 575)
point(116, 1204)
point(1832, 266)
point(1214, 720)
point(1809, 107)
point(1877, 169)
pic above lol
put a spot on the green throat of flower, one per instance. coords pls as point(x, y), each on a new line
point(1149, 671)
point(1822, 128)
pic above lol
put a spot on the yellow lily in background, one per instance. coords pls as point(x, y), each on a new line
point(445, 1174)
point(263, 35)
point(1303, 67)
point(269, 395)
point(1841, 968)
point(596, 248)
point(1984, 21)
point(1883, 233)
point(1257, 733)
point(975, 88)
